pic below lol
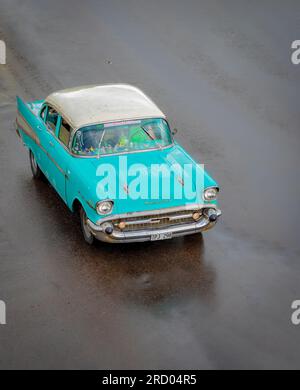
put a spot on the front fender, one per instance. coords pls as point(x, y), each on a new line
point(80, 187)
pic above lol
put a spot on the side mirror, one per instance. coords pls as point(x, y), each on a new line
point(174, 131)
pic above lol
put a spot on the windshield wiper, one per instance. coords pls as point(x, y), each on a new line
point(99, 146)
point(150, 136)
point(147, 132)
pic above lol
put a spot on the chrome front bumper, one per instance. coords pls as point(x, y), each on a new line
point(118, 236)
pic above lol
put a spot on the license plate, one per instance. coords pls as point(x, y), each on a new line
point(161, 236)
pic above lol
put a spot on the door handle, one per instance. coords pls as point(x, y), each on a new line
point(51, 144)
point(39, 127)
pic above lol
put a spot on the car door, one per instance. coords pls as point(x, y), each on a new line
point(58, 151)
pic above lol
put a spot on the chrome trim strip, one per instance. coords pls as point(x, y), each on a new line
point(152, 220)
point(187, 207)
point(22, 123)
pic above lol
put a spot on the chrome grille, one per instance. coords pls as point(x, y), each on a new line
point(156, 221)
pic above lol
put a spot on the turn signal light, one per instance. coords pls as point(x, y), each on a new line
point(122, 225)
point(196, 216)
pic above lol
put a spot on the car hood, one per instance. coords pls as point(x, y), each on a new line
point(93, 172)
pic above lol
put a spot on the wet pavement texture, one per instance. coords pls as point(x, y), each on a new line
point(222, 73)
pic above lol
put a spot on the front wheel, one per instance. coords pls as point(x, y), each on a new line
point(35, 169)
point(87, 235)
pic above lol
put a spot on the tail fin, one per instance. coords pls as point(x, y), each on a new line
point(26, 123)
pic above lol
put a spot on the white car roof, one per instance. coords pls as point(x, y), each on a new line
point(93, 104)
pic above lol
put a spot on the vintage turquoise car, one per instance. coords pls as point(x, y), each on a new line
point(74, 135)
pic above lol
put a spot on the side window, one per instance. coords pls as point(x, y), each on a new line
point(43, 113)
point(51, 119)
point(64, 132)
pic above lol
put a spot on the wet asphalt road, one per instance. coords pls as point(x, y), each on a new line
point(223, 75)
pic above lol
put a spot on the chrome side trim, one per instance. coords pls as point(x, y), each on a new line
point(22, 124)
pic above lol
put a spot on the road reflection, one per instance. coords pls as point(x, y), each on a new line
point(150, 273)
point(141, 273)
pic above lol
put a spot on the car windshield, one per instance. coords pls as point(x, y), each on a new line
point(120, 137)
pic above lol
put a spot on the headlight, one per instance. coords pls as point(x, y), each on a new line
point(104, 207)
point(210, 193)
